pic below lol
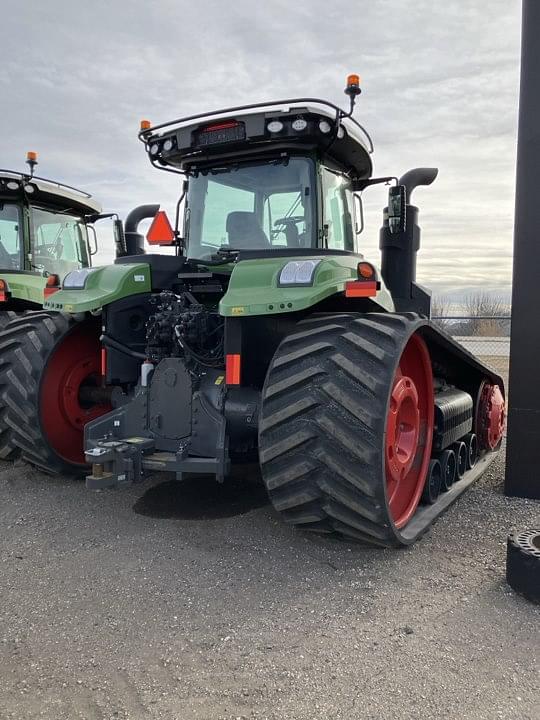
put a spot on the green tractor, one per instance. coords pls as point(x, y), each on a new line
point(43, 236)
point(266, 336)
point(46, 231)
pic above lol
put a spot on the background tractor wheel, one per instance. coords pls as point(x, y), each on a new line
point(49, 365)
point(6, 316)
point(8, 450)
point(523, 563)
point(346, 425)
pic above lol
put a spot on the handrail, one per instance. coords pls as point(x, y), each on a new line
point(29, 178)
point(340, 114)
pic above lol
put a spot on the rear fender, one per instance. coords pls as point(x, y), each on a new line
point(103, 286)
point(254, 287)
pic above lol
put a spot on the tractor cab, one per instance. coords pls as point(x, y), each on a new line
point(46, 231)
point(269, 179)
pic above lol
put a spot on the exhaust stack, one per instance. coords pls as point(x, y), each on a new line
point(399, 249)
point(134, 240)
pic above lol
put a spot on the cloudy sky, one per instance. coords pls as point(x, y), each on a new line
point(440, 86)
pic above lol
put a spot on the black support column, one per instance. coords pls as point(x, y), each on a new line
point(523, 449)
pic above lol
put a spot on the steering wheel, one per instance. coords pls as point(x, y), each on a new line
point(290, 220)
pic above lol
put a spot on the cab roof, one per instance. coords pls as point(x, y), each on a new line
point(253, 130)
point(17, 185)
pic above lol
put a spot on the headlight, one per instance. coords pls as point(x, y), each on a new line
point(154, 149)
point(298, 272)
point(76, 279)
point(275, 126)
point(325, 127)
point(299, 124)
point(168, 145)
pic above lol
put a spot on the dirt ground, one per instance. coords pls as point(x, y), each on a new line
point(194, 601)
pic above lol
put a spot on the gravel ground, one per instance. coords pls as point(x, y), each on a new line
point(195, 601)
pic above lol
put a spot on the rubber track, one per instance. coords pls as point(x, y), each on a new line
point(25, 346)
point(322, 425)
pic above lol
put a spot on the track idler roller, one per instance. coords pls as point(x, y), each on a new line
point(347, 424)
point(471, 444)
point(447, 460)
point(461, 452)
point(433, 485)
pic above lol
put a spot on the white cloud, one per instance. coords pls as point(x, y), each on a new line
point(440, 88)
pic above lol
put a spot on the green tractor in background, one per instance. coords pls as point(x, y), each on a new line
point(266, 336)
point(46, 231)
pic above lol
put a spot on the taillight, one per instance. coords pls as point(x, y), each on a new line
point(51, 286)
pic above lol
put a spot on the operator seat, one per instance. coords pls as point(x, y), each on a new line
point(244, 231)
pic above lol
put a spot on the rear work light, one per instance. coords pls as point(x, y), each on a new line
point(76, 279)
point(298, 273)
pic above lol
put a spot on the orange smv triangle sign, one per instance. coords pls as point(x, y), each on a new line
point(160, 231)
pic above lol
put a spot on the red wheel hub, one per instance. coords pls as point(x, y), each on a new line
point(74, 364)
point(491, 416)
point(403, 429)
point(409, 431)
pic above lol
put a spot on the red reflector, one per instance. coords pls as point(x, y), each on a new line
point(51, 286)
point(3, 297)
point(359, 288)
point(103, 362)
point(160, 232)
point(232, 369)
point(221, 126)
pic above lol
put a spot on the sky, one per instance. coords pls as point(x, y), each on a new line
point(440, 88)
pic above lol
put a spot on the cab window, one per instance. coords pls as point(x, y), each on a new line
point(337, 211)
point(284, 219)
point(219, 201)
point(59, 242)
point(248, 206)
point(10, 237)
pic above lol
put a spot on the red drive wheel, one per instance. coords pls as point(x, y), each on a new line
point(66, 400)
point(490, 416)
point(409, 431)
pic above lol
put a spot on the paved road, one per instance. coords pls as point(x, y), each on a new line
point(196, 602)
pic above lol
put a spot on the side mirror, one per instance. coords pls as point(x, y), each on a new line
point(397, 201)
point(119, 237)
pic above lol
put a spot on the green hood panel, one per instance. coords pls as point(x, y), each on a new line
point(253, 287)
point(103, 286)
point(25, 286)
